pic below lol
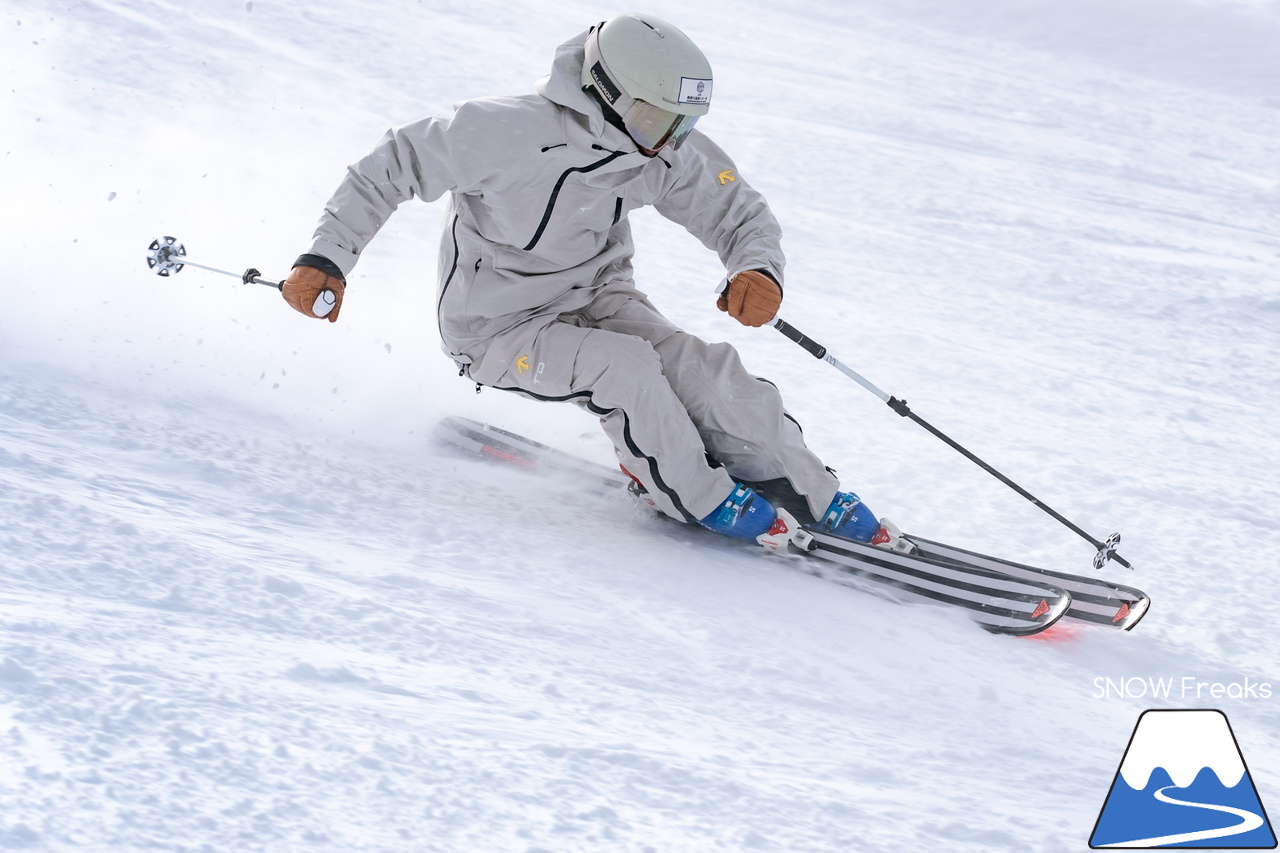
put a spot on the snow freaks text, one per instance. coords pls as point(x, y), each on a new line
point(1186, 687)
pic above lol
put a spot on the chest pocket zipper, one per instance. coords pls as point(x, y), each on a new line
point(555, 193)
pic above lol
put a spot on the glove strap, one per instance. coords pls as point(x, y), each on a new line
point(320, 262)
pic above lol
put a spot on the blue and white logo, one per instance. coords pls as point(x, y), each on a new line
point(1183, 783)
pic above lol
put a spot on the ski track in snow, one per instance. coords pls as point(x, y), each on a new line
point(245, 604)
point(199, 648)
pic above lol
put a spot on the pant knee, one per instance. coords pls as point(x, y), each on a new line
point(618, 367)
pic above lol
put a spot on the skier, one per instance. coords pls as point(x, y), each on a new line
point(536, 293)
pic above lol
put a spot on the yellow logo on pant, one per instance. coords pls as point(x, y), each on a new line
point(522, 364)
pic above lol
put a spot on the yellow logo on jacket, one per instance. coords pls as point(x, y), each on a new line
point(726, 177)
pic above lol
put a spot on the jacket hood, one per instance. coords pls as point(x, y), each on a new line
point(563, 85)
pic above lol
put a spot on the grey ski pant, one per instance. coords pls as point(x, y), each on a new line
point(667, 399)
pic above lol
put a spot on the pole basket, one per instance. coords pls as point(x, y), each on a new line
point(164, 255)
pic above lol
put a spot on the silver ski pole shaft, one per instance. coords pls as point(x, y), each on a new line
point(1106, 550)
point(166, 256)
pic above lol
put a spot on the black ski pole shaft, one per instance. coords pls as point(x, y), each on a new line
point(1106, 550)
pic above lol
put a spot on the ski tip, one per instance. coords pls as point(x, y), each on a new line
point(1130, 613)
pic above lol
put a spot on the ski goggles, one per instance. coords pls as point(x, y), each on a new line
point(653, 128)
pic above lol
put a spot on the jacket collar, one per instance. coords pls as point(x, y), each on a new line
point(563, 86)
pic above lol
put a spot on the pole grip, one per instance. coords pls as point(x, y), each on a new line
point(325, 300)
point(814, 348)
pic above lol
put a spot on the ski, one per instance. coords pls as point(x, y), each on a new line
point(997, 602)
point(514, 449)
point(1001, 595)
point(1093, 600)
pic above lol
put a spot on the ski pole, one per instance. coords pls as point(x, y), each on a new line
point(1106, 550)
point(167, 257)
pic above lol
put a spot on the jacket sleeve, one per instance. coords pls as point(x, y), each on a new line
point(710, 199)
point(416, 160)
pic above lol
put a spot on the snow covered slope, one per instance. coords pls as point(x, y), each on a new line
point(246, 605)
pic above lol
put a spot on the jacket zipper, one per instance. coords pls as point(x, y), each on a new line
point(555, 193)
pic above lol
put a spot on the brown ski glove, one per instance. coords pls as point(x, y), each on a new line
point(313, 284)
point(752, 298)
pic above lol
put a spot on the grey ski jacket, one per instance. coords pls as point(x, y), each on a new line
point(540, 187)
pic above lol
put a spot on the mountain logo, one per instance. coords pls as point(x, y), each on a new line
point(1183, 783)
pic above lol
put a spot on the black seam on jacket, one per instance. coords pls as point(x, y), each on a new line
point(457, 257)
point(555, 193)
point(600, 411)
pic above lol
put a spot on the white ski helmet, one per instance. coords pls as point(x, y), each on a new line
point(652, 75)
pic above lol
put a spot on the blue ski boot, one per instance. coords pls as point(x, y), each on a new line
point(744, 514)
point(850, 518)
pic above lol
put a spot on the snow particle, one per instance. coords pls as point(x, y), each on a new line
point(111, 196)
point(387, 347)
point(248, 5)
